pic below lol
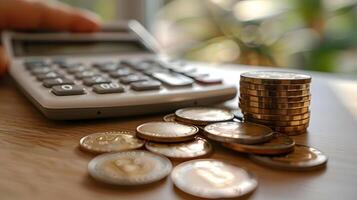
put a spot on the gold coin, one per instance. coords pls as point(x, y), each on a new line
point(302, 158)
point(195, 148)
point(274, 77)
point(203, 115)
point(274, 105)
point(269, 93)
point(278, 123)
point(129, 168)
point(239, 132)
point(279, 144)
point(213, 179)
point(294, 111)
point(169, 118)
point(290, 87)
point(105, 142)
point(275, 99)
point(166, 132)
point(277, 117)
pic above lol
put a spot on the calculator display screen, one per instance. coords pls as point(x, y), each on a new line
point(49, 48)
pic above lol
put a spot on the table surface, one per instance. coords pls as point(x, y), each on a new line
point(40, 158)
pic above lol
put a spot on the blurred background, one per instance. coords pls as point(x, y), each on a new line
point(319, 35)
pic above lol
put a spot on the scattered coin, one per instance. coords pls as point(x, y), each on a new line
point(129, 168)
point(288, 87)
point(279, 144)
point(248, 116)
point(255, 104)
point(239, 132)
point(203, 115)
point(184, 150)
point(302, 158)
point(273, 93)
point(213, 179)
point(274, 77)
point(105, 142)
point(166, 132)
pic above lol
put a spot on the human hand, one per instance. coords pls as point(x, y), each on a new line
point(41, 14)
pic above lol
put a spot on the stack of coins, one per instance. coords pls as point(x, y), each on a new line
point(279, 100)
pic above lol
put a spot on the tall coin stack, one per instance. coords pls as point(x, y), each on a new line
point(279, 100)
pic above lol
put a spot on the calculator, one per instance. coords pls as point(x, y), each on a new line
point(119, 71)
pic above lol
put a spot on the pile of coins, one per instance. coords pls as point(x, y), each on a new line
point(279, 100)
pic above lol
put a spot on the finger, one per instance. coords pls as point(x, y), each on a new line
point(26, 14)
point(3, 61)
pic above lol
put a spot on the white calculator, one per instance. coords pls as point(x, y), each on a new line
point(116, 72)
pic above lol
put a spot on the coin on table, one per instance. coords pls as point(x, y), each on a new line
point(239, 132)
point(166, 132)
point(129, 167)
point(271, 93)
point(195, 148)
point(302, 158)
point(277, 117)
point(203, 115)
point(105, 142)
point(275, 99)
point(279, 123)
point(288, 87)
point(256, 104)
point(274, 77)
point(213, 179)
point(293, 111)
point(279, 144)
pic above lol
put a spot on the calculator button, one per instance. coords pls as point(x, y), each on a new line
point(173, 79)
point(106, 66)
point(145, 85)
point(155, 70)
point(183, 69)
point(106, 88)
point(208, 80)
point(57, 81)
point(52, 74)
point(76, 68)
point(31, 64)
point(65, 90)
point(142, 66)
point(85, 74)
point(59, 61)
point(120, 73)
point(196, 74)
point(41, 70)
point(95, 80)
point(133, 78)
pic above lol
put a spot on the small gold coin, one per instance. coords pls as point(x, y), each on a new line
point(166, 132)
point(277, 117)
point(239, 132)
point(279, 144)
point(274, 77)
point(276, 87)
point(129, 168)
point(255, 104)
point(184, 150)
point(213, 179)
point(293, 111)
point(105, 142)
point(302, 158)
point(271, 93)
point(203, 115)
point(275, 99)
point(278, 123)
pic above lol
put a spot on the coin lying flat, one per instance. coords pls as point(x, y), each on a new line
point(255, 104)
point(277, 117)
point(184, 150)
point(111, 142)
point(279, 123)
point(203, 115)
point(213, 179)
point(302, 158)
point(275, 99)
point(270, 93)
point(166, 132)
point(274, 77)
point(129, 168)
point(279, 144)
point(239, 132)
point(277, 87)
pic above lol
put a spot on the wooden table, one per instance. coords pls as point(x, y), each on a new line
point(40, 159)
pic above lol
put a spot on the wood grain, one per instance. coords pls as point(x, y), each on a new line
point(40, 159)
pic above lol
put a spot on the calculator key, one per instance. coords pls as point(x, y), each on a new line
point(106, 66)
point(59, 61)
point(57, 81)
point(106, 88)
point(86, 74)
point(196, 74)
point(40, 70)
point(31, 64)
point(150, 71)
point(183, 69)
point(120, 73)
point(76, 68)
point(145, 85)
point(65, 90)
point(208, 80)
point(52, 74)
point(142, 66)
point(173, 79)
point(95, 80)
point(133, 78)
